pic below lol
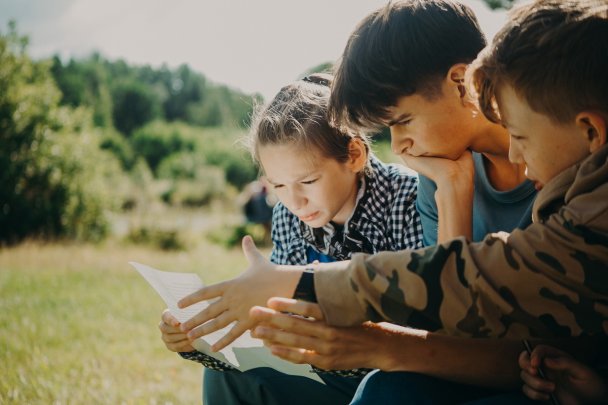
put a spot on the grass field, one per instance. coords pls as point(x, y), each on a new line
point(79, 326)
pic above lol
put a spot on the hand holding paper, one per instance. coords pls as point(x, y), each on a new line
point(261, 281)
point(174, 339)
point(244, 353)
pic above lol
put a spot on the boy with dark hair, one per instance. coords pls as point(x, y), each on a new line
point(404, 48)
point(404, 67)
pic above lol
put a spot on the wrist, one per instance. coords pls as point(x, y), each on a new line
point(457, 186)
point(287, 278)
point(399, 347)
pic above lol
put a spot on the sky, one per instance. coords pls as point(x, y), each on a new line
point(253, 46)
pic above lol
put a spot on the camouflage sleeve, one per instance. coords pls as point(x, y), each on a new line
point(549, 280)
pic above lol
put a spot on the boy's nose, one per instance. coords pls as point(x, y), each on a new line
point(398, 141)
point(514, 154)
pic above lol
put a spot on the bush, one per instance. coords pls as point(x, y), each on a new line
point(221, 148)
point(163, 239)
point(156, 141)
point(117, 144)
point(54, 178)
point(182, 165)
point(208, 185)
point(134, 105)
point(231, 236)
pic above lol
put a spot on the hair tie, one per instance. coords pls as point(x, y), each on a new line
point(316, 80)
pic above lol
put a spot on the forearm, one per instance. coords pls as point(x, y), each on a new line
point(481, 362)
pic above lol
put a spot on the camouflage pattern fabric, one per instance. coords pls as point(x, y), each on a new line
point(549, 280)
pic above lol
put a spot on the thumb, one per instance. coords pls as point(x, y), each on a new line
point(250, 250)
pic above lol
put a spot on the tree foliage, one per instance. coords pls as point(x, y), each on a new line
point(134, 106)
point(128, 97)
point(496, 4)
point(49, 182)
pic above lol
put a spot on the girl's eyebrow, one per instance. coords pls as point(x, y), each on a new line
point(299, 178)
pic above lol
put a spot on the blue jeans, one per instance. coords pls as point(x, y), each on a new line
point(266, 386)
point(381, 387)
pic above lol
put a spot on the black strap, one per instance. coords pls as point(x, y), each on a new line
point(305, 290)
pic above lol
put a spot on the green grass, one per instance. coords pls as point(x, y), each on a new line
point(78, 325)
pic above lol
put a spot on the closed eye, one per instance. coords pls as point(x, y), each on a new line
point(309, 181)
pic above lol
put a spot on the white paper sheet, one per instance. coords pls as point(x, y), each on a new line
point(244, 353)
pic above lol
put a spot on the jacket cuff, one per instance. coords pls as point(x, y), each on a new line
point(336, 296)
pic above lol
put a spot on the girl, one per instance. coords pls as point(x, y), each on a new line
point(335, 199)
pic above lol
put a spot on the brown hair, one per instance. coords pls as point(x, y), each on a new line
point(402, 48)
point(298, 114)
point(554, 53)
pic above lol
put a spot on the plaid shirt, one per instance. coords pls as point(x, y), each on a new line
point(384, 219)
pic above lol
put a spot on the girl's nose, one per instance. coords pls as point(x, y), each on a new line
point(298, 200)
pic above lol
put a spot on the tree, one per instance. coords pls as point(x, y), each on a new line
point(134, 106)
point(85, 83)
point(325, 67)
point(49, 184)
point(496, 4)
point(184, 88)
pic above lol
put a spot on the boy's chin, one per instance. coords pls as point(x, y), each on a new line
point(538, 185)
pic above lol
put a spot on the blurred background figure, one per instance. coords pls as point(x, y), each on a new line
point(257, 205)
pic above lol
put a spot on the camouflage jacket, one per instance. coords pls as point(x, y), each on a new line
point(549, 280)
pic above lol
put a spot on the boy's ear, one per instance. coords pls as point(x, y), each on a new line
point(455, 78)
point(357, 155)
point(593, 127)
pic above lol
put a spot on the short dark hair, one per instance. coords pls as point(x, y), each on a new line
point(554, 53)
point(403, 48)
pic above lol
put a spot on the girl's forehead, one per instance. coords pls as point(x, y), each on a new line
point(290, 162)
point(290, 153)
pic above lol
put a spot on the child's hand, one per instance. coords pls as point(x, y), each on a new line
point(569, 380)
point(255, 286)
point(174, 338)
point(442, 170)
point(307, 339)
point(454, 195)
